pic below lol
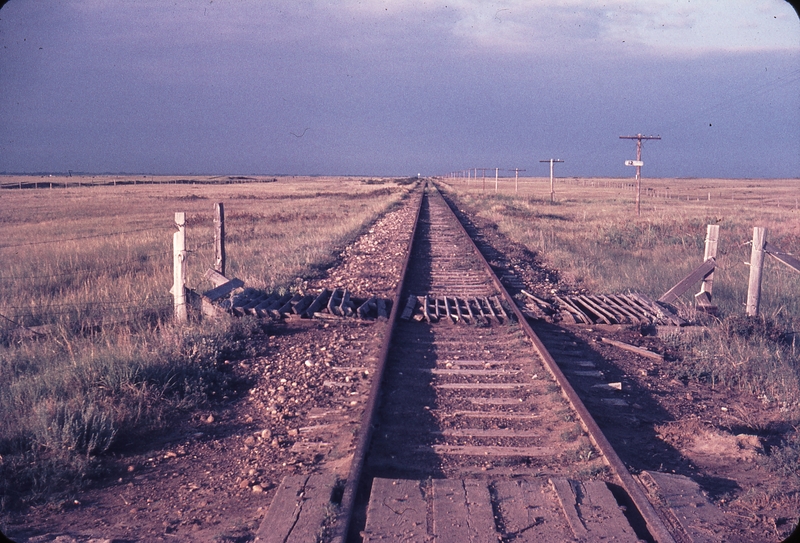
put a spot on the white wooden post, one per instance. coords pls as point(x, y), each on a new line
point(179, 269)
point(219, 238)
point(756, 267)
point(712, 240)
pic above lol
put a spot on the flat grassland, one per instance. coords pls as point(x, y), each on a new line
point(592, 236)
point(88, 353)
point(89, 357)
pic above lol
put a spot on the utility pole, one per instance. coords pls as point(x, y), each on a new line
point(638, 163)
point(495, 179)
point(516, 179)
point(552, 189)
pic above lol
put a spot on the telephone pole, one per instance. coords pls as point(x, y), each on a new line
point(638, 163)
point(516, 179)
point(495, 179)
point(552, 190)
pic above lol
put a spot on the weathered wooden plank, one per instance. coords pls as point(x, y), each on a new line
point(491, 432)
point(458, 316)
point(487, 451)
point(365, 308)
point(590, 304)
point(448, 371)
point(662, 313)
point(298, 509)
point(397, 511)
point(261, 309)
point(462, 512)
point(592, 512)
point(783, 257)
point(287, 307)
point(492, 314)
point(613, 309)
point(494, 401)
point(411, 305)
point(469, 310)
point(500, 308)
point(256, 299)
point(277, 303)
point(620, 305)
point(216, 278)
point(300, 307)
point(685, 284)
point(223, 290)
point(334, 301)
point(529, 512)
point(680, 501)
point(450, 316)
point(478, 386)
point(318, 303)
point(543, 304)
point(578, 315)
point(346, 306)
point(486, 414)
point(425, 301)
point(633, 349)
point(382, 310)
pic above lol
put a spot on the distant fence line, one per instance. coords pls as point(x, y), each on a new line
point(76, 181)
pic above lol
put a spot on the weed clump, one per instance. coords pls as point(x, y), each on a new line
point(753, 354)
point(59, 418)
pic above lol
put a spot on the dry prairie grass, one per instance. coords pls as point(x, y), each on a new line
point(592, 235)
point(88, 269)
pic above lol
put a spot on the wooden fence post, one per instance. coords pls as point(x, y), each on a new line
point(179, 269)
point(712, 240)
point(756, 267)
point(219, 238)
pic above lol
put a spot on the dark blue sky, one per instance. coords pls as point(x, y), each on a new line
point(399, 87)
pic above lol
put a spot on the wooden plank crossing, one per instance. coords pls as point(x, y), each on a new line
point(455, 309)
point(615, 309)
point(230, 297)
point(298, 510)
point(482, 511)
point(680, 501)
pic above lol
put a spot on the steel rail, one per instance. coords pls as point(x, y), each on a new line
point(347, 506)
point(655, 524)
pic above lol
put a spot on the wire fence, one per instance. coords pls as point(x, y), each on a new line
point(86, 291)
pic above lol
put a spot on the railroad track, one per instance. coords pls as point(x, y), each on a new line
point(472, 431)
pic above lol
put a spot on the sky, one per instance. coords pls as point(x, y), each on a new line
point(400, 87)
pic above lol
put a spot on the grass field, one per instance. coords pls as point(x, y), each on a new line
point(88, 354)
point(593, 237)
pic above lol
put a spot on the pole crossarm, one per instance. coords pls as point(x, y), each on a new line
point(639, 138)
